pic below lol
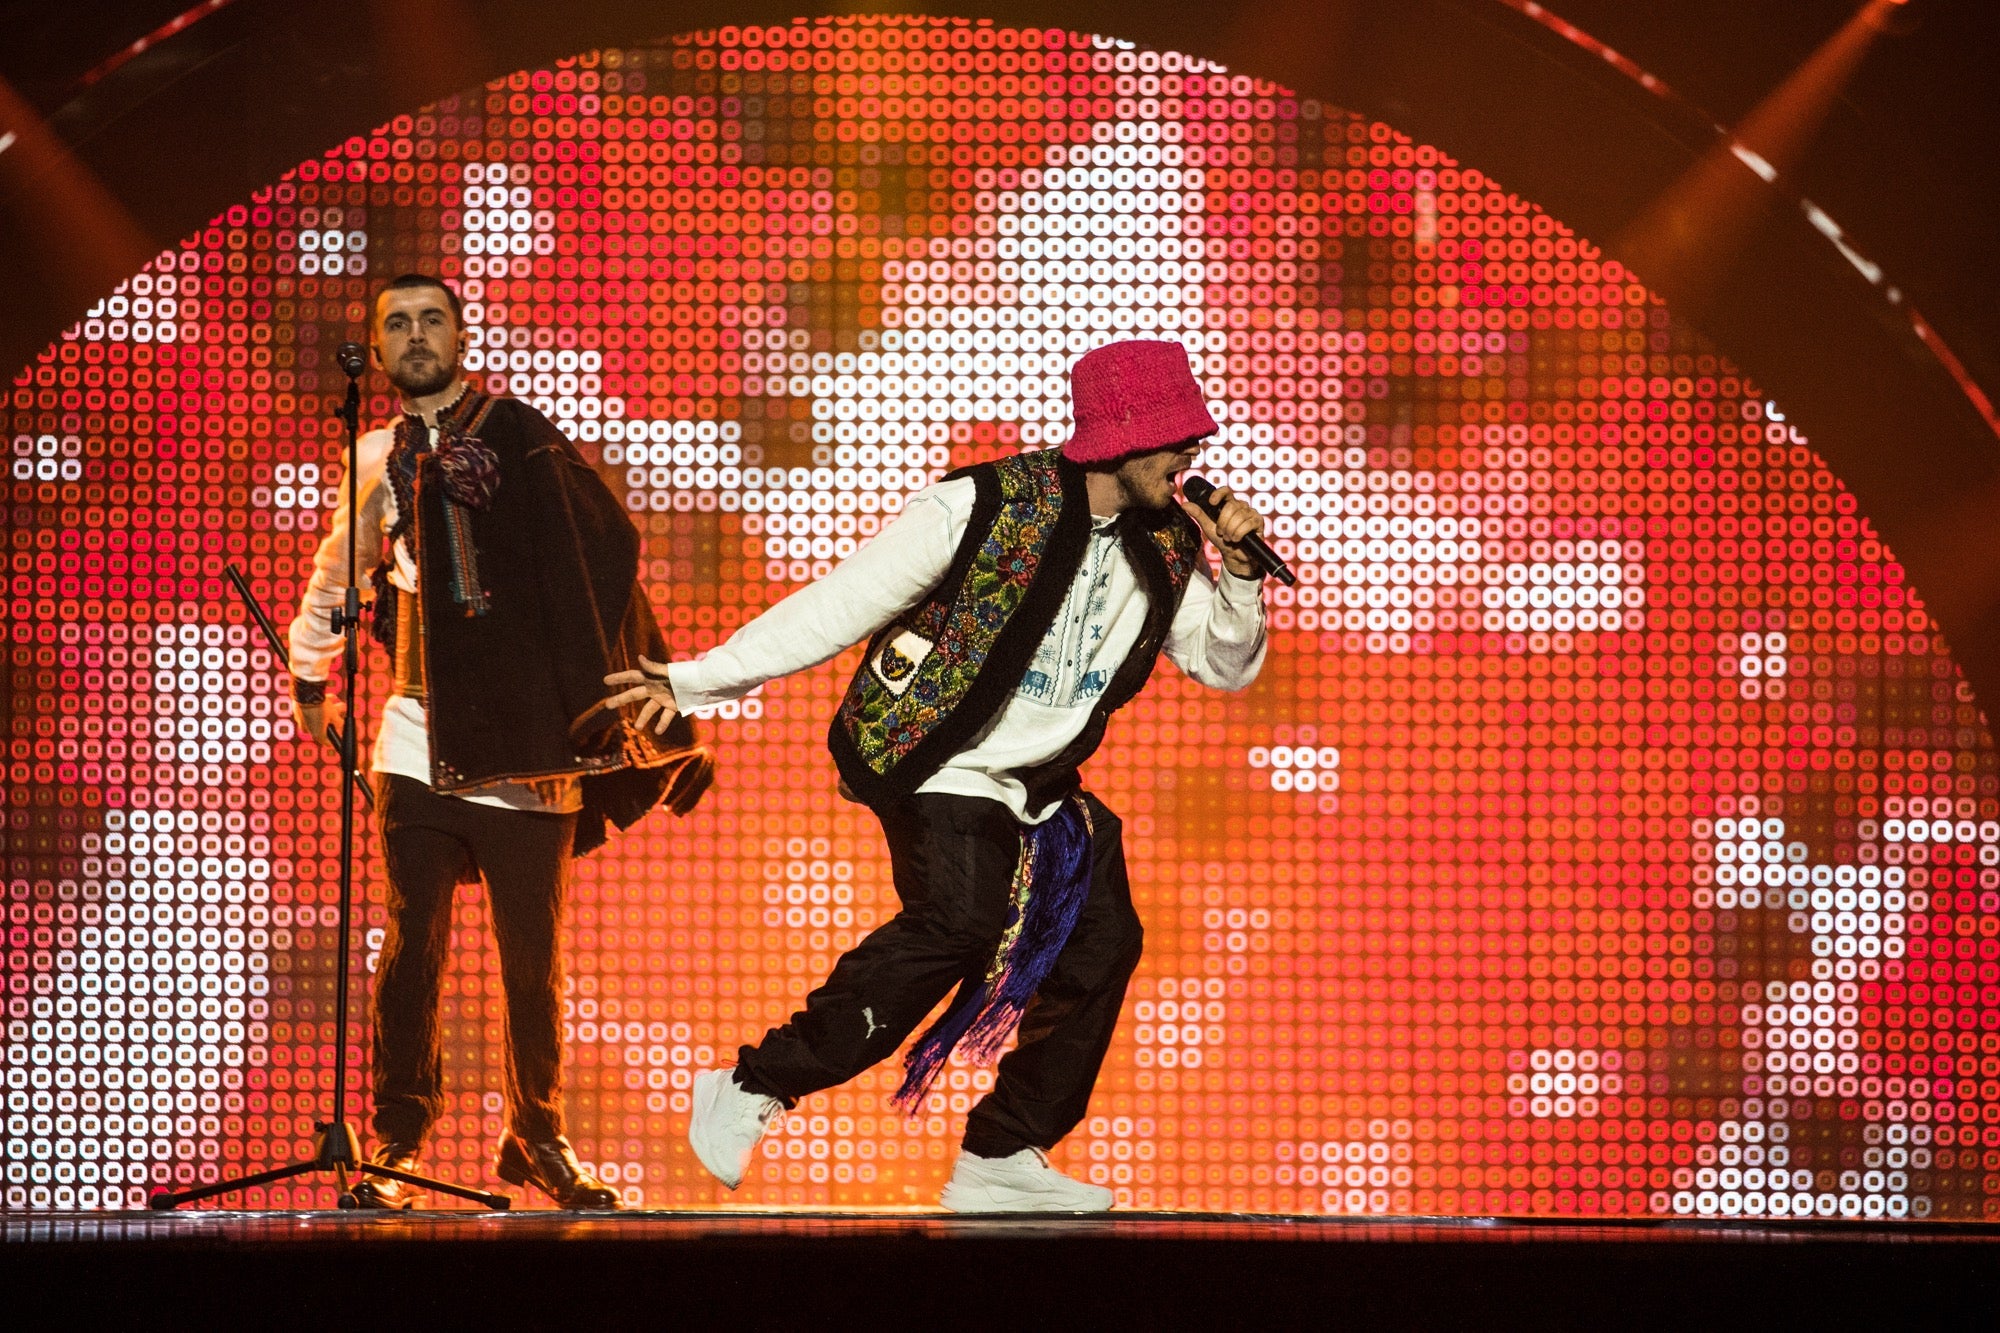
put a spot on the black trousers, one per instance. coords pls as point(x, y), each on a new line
point(953, 859)
point(429, 841)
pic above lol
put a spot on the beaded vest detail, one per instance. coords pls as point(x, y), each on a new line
point(934, 678)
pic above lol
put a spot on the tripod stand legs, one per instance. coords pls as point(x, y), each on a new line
point(336, 1148)
point(498, 1203)
point(163, 1201)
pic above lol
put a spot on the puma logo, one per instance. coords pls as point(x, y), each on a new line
point(868, 1015)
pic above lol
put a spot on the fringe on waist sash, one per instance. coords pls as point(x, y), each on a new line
point(1051, 882)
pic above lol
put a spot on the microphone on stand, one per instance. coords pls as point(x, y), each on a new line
point(1201, 492)
point(352, 358)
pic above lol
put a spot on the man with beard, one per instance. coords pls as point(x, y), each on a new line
point(1008, 612)
point(507, 588)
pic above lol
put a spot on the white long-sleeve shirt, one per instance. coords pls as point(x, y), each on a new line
point(1217, 636)
point(403, 745)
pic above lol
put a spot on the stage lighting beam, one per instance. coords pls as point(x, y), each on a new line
point(82, 239)
point(1686, 243)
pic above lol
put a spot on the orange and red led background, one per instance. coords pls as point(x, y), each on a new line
point(1610, 832)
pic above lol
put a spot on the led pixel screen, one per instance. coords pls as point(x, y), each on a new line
point(1610, 833)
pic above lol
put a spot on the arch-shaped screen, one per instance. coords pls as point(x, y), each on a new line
point(1610, 833)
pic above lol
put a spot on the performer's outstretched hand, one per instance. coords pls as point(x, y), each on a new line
point(649, 686)
point(1233, 522)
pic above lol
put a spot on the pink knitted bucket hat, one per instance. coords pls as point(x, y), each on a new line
point(1132, 397)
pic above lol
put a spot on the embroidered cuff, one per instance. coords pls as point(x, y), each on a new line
point(308, 692)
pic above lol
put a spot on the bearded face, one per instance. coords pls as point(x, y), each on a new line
point(417, 340)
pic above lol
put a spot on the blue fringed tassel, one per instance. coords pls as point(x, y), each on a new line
point(1052, 885)
point(926, 1059)
point(1059, 886)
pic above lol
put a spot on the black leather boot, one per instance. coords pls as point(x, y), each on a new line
point(552, 1168)
point(374, 1191)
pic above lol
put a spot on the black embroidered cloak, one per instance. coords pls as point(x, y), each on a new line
point(514, 680)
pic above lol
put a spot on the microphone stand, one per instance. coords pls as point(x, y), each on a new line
point(336, 1146)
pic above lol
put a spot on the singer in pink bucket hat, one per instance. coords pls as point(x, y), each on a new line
point(1008, 612)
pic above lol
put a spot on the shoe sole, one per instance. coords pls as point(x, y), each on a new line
point(370, 1203)
point(1014, 1201)
point(537, 1186)
point(523, 1180)
point(704, 1106)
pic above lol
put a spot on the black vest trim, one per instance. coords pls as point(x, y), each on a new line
point(1006, 662)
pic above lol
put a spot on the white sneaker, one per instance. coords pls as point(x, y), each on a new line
point(1023, 1183)
point(728, 1120)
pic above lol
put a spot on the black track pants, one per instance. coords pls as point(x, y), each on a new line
point(954, 858)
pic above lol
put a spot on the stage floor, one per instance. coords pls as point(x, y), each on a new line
point(203, 1228)
point(747, 1268)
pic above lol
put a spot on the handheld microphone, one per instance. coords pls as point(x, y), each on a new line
point(1201, 492)
point(352, 359)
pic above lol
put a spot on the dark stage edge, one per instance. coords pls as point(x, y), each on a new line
point(768, 1269)
point(206, 1228)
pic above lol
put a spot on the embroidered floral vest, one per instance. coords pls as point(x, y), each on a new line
point(931, 681)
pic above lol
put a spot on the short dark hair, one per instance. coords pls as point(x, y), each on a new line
point(406, 281)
